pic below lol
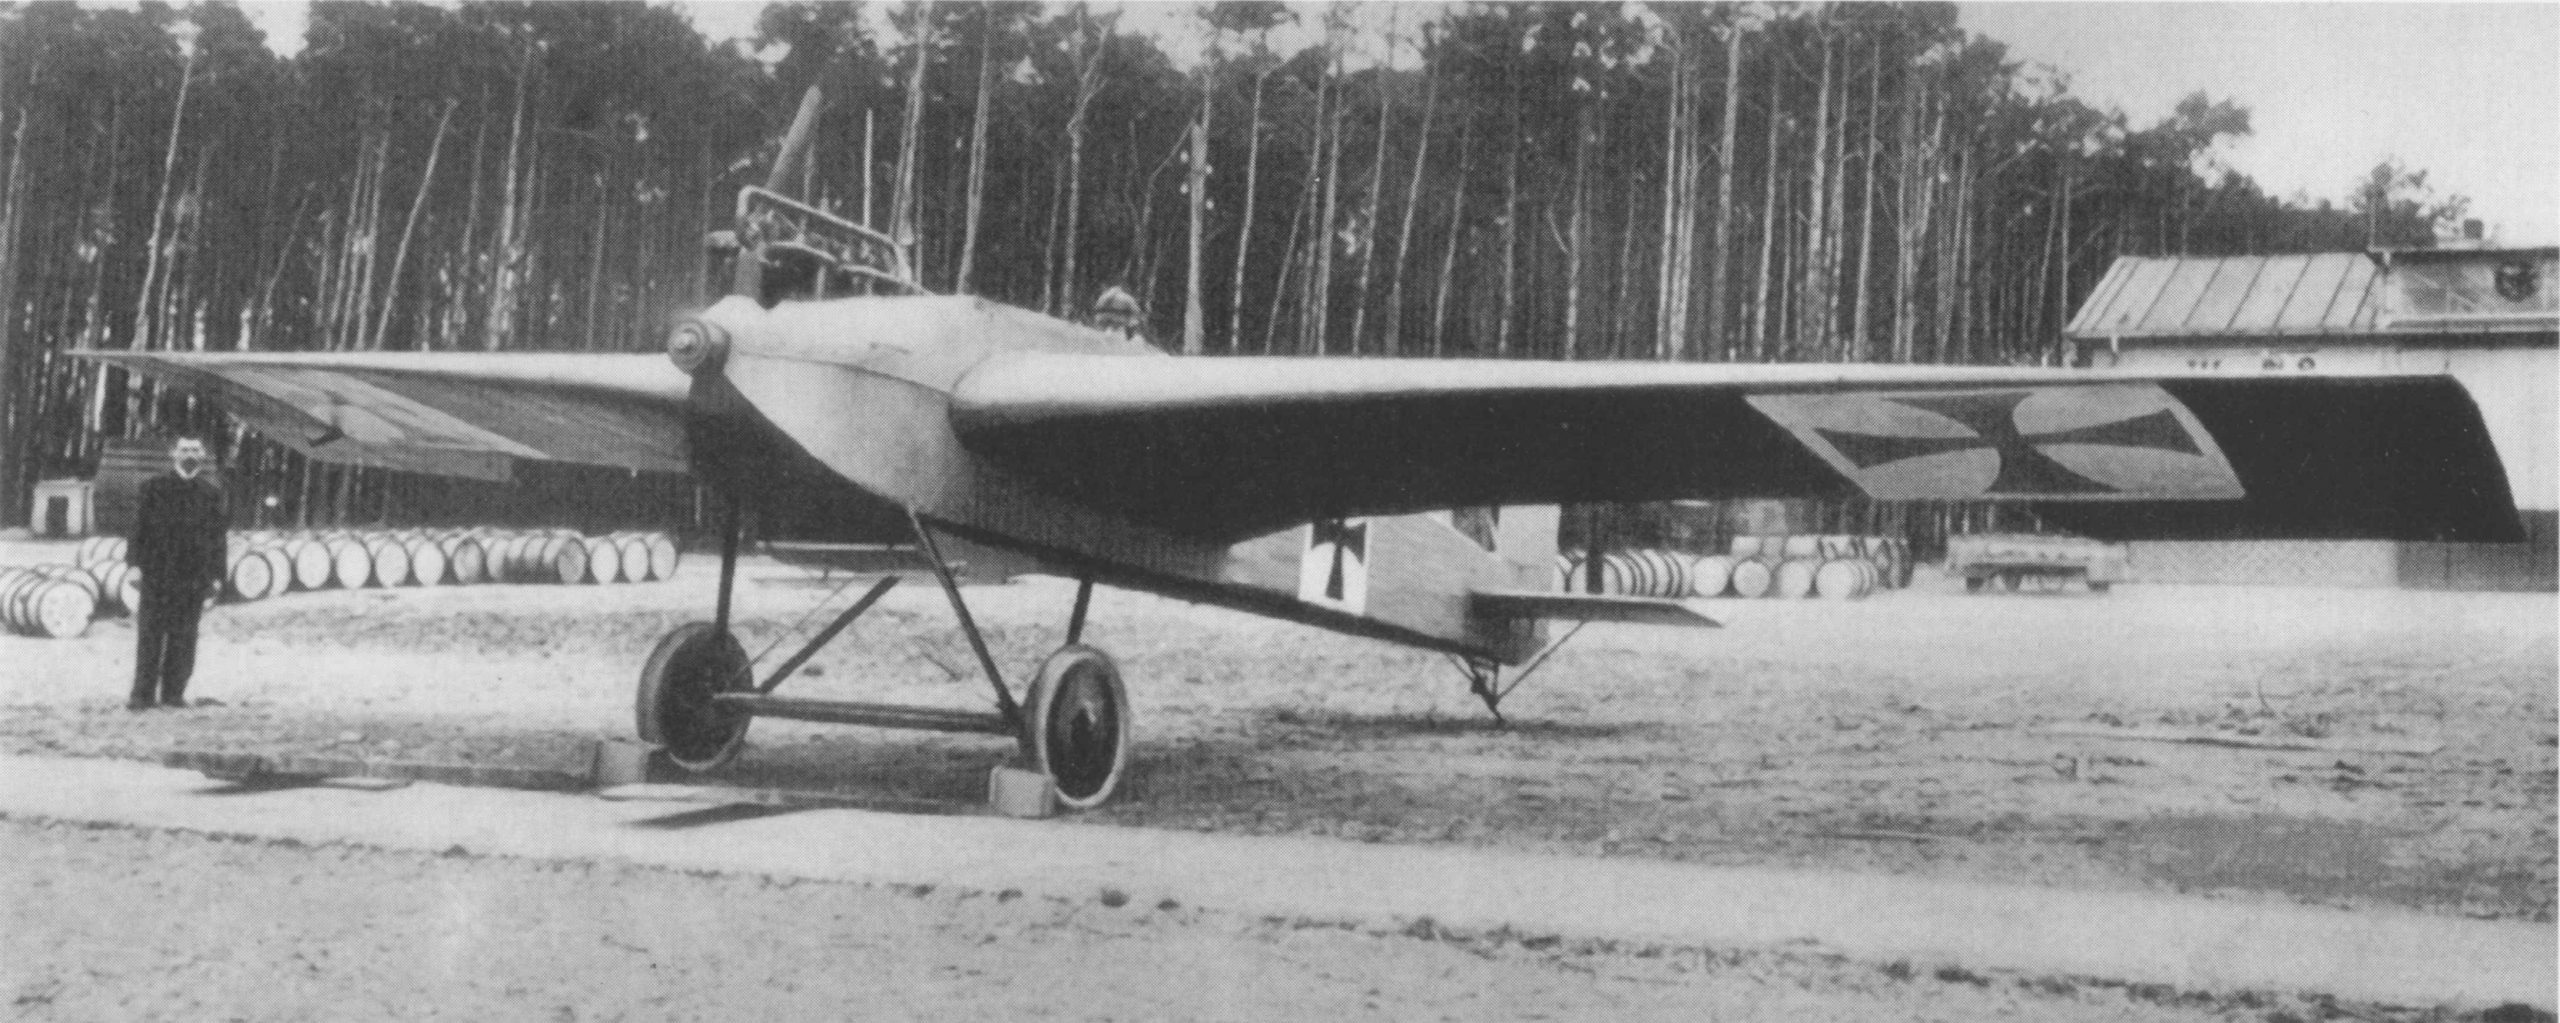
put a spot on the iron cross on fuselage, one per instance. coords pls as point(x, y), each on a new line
point(1348, 539)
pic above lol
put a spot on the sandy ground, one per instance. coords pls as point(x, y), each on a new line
point(1901, 734)
point(206, 928)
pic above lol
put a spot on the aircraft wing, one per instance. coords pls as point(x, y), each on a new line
point(451, 413)
point(1233, 447)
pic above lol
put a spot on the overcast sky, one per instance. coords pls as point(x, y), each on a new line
point(2469, 92)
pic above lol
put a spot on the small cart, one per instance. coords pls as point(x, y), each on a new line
point(2018, 561)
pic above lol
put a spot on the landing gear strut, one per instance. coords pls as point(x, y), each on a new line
point(698, 691)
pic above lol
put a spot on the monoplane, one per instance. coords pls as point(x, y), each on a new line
point(829, 396)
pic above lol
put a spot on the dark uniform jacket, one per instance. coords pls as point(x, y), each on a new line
point(178, 533)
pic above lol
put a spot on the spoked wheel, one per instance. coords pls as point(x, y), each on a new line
point(1079, 722)
point(676, 711)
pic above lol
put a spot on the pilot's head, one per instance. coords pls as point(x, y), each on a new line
point(188, 456)
point(1117, 311)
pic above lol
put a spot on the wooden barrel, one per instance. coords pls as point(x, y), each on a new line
point(1617, 574)
point(633, 548)
point(1794, 578)
point(1805, 546)
point(252, 577)
point(427, 563)
point(1844, 579)
point(93, 551)
point(523, 552)
point(390, 560)
point(664, 554)
point(1743, 547)
point(515, 558)
point(51, 606)
point(73, 574)
point(350, 565)
point(279, 565)
point(1711, 576)
point(1671, 574)
point(311, 562)
point(110, 576)
point(466, 560)
point(498, 551)
point(556, 558)
point(12, 581)
point(604, 560)
point(1902, 562)
point(1752, 577)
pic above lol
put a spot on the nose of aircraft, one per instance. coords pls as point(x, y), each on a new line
point(697, 345)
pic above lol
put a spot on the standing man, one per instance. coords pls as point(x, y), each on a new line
point(177, 546)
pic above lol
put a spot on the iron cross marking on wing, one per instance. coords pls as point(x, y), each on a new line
point(2099, 441)
point(2024, 468)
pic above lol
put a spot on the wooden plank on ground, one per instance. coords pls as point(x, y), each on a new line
point(796, 799)
point(302, 767)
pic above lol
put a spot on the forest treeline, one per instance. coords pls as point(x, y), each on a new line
point(1855, 182)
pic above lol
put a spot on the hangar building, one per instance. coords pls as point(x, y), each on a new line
point(2489, 317)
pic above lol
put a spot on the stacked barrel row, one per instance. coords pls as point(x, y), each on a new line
point(266, 563)
point(58, 601)
point(1840, 567)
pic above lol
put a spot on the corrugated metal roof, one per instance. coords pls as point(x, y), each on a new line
point(2252, 296)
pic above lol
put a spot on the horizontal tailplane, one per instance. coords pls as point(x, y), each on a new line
point(1586, 607)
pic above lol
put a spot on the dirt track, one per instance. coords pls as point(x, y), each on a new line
point(1901, 734)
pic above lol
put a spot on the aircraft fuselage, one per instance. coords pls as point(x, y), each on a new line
point(863, 387)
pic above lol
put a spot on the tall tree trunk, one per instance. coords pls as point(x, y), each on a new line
point(15, 426)
point(1288, 265)
point(1194, 325)
point(2062, 260)
point(902, 205)
point(1320, 279)
point(145, 329)
point(1088, 83)
point(1814, 293)
point(1244, 231)
point(1577, 230)
point(1404, 230)
point(1457, 230)
point(1369, 216)
point(595, 266)
point(977, 157)
point(1679, 195)
point(466, 284)
point(1049, 301)
point(409, 230)
point(1510, 234)
point(1720, 256)
point(1859, 342)
point(1761, 348)
point(499, 328)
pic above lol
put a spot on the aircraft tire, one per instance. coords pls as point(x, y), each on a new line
point(675, 711)
point(1079, 721)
